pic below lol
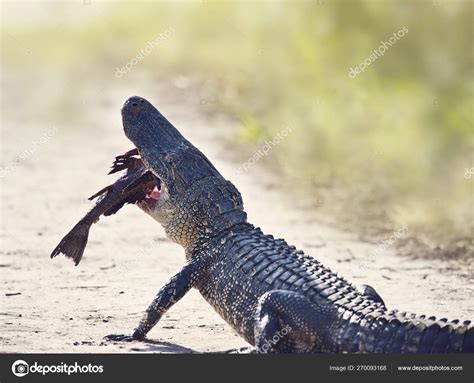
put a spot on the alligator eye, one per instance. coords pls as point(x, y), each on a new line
point(142, 101)
point(134, 104)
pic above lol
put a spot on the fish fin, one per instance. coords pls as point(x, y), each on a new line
point(131, 152)
point(145, 177)
point(124, 161)
point(114, 209)
point(132, 199)
point(74, 243)
point(100, 192)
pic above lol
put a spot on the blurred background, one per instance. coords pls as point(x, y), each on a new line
point(391, 146)
point(353, 144)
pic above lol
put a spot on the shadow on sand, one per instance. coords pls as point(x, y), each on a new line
point(149, 345)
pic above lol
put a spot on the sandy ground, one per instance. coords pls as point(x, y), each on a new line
point(52, 306)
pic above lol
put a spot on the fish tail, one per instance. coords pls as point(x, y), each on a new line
point(74, 243)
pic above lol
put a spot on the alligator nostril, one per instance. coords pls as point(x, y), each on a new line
point(142, 101)
point(134, 104)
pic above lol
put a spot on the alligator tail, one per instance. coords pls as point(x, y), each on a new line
point(74, 243)
point(439, 336)
point(402, 334)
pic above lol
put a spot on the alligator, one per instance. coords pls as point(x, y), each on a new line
point(273, 295)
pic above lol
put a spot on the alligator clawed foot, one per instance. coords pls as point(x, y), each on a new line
point(120, 338)
point(241, 350)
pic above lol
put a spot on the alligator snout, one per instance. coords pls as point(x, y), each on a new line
point(134, 104)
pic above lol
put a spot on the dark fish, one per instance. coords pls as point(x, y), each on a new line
point(134, 186)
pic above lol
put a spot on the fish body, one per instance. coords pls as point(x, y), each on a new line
point(134, 186)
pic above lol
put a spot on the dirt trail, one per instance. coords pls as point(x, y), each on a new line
point(52, 306)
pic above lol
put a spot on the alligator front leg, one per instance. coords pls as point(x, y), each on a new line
point(169, 294)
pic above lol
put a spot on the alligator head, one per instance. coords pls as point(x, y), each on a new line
point(193, 201)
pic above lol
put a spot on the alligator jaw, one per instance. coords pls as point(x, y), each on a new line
point(150, 132)
point(132, 159)
point(148, 204)
point(164, 151)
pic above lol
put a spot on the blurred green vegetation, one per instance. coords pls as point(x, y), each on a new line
point(397, 138)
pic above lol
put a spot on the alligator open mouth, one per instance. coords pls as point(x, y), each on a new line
point(154, 194)
point(153, 187)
